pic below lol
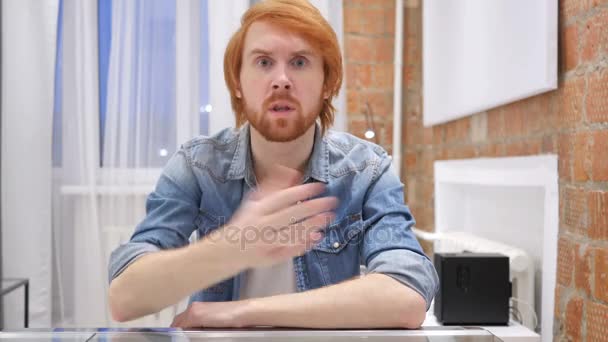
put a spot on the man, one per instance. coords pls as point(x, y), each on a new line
point(277, 247)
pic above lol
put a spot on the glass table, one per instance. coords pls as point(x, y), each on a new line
point(431, 334)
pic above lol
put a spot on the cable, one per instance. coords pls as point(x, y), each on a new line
point(517, 300)
point(516, 314)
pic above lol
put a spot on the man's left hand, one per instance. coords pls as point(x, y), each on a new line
point(211, 315)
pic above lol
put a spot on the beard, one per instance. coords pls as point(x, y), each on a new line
point(282, 129)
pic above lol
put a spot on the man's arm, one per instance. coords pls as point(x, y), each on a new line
point(160, 279)
point(147, 278)
point(372, 301)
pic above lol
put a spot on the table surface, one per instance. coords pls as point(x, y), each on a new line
point(435, 334)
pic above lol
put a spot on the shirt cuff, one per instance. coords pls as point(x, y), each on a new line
point(409, 268)
point(125, 255)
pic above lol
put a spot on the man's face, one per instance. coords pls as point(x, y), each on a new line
point(281, 82)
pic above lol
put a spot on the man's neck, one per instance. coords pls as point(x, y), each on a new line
point(267, 155)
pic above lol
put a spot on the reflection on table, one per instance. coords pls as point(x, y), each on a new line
point(433, 334)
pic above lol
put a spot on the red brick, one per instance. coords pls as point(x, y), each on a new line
point(383, 76)
point(597, 97)
point(458, 131)
point(411, 162)
point(581, 159)
point(491, 150)
point(383, 49)
point(412, 135)
point(374, 21)
point(461, 152)
point(575, 213)
point(564, 149)
point(558, 306)
point(594, 41)
point(381, 103)
point(569, 48)
point(574, 318)
point(427, 136)
point(568, 9)
point(565, 261)
point(582, 268)
point(439, 135)
point(598, 215)
point(571, 102)
point(353, 19)
point(358, 75)
point(549, 144)
point(353, 102)
point(514, 119)
point(389, 21)
point(594, 3)
point(599, 156)
point(359, 49)
point(496, 124)
point(601, 275)
point(597, 321)
point(515, 149)
point(357, 127)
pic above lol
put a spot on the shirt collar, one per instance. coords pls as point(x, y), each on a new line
point(241, 166)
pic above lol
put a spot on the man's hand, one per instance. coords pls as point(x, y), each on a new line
point(211, 315)
point(277, 222)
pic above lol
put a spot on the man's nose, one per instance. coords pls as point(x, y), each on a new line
point(281, 81)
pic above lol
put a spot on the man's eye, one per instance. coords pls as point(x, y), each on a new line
point(299, 62)
point(264, 62)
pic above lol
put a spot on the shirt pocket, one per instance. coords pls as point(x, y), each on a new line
point(338, 252)
point(207, 222)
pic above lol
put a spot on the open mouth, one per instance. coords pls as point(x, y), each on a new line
point(280, 108)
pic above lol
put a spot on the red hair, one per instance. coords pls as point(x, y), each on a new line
point(300, 17)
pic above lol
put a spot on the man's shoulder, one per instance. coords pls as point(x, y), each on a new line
point(213, 153)
point(349, 146)
point(348, 153)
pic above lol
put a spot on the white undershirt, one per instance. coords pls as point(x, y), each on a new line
point(268, 281)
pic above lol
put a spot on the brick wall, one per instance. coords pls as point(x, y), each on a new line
point(369, 31)
point(571, 122)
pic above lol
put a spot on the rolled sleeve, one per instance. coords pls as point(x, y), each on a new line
point(409, 268)
point(126, 254)
point(389, 245)
point(172, 210)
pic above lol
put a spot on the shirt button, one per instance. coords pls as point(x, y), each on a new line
point(336, 244)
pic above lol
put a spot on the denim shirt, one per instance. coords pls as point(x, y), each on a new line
point(204, 183)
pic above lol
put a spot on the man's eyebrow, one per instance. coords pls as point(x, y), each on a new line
point(259, 52)
point(303, 52)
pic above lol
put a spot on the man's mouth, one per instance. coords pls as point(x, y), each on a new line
point(281, 107)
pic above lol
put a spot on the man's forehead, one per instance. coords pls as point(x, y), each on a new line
point(267, 37)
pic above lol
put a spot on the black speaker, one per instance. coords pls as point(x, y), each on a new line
point(474, 289)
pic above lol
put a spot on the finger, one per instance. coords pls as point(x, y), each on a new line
point(305, 233)
point(287, 197)
point(298, 212)
point(177, 320)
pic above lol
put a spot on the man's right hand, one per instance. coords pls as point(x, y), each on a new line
point(277, 222)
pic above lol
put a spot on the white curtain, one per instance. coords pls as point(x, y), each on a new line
point(110, 165)
point(79, 283)
point(28, 58)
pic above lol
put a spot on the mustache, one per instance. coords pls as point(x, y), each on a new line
point(280, 97)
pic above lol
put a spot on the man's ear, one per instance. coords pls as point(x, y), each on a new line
point(237, 91)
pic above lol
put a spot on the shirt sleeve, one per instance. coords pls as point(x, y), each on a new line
point(389, 245)
point(172, 210)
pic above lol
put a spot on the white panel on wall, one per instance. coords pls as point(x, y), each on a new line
point(480, 54)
